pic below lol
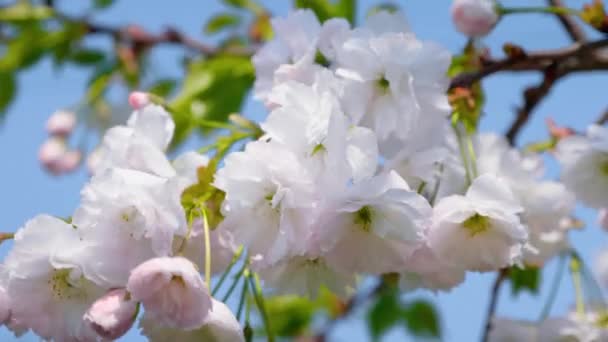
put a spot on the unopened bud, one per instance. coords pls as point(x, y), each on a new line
point(138, 99)
point(112, 315)
point(69, 161)
point(61, 123)
point(51, 152)
point(475, 18)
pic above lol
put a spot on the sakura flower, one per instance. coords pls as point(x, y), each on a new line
point(171, 291)
point(129, 216)
point(396, 80)
point(425, 270)
point(5, 309)
point(602, 218)
point(112, 315)
point(61, 123)
point(480, 231)
point(268, 196)
point(187, 164)
point(584, 165)
point(601, 267)
point(46, 287)
point(140, 145)
point(220, 326)
point(475, 18)
point(505, 330)
point(376, 225)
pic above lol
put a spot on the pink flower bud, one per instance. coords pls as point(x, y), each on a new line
point(51, 151)
point(171, 291)
point(475, 18)
point(112, 315)
point(602, 218)
point(61, 123)
point(5, 310)
point(69, 161)
point(138, 99)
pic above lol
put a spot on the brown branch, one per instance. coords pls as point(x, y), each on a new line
point(577, 57)
point(603, 118)
point(533, 96)
point(138, 36)
point(574, 29)
point(495, 291)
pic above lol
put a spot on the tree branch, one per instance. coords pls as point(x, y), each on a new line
point(137, 35)
point(500, 278)
point(574, 30)
point(577, 57)
point(603, 118)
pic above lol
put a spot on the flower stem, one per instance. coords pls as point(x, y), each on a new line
point(575, 272)
point(207, 249)
point(235, 258)
point(549, 9)
point(554, 288)
point(244, 292)
point(6, 236)
point(259, 301)
point(237, 277)
point(463, 153)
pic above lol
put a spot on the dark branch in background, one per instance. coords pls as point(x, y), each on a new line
point(500, 278)
point(574, 30)
point(137, 35)
point(603, 118)
point(350, 306)
point(554, 64)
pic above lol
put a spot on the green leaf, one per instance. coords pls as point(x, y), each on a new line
point(221, 22)
point(212, 89)
point(385, 313)
point(87, 56)
point(325, 9)
point(163, 87)
point(23, 11)
point(290, 315)
point(422, 319)
point(527, 279)
point(8, 89)
point(101, 4)
point(237, 3)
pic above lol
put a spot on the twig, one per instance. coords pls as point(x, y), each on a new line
point(603, 118)
point(137, 35)
point(532, 97)
point(500, 278)
point(574, 30)
point(576, 57)
point(350, 305)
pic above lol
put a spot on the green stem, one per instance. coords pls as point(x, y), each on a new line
point(550, 10)
point(207, 249)
point(472, 155)
point(217, 124)
point(554, 288)
point(237, 277)
point(259, 301)
point(575, 272)
point(182, 246)
point(463, 153)
point(6, 236)
point(421, 188)
point(235, 258)
point(244, 292)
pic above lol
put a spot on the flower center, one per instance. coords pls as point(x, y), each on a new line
point(321, 60)
point(129, 214)
point(476, 224)
point(318, 148)
point(383, 84)
point(64, 287)
point(178, 280)
point(363, 218)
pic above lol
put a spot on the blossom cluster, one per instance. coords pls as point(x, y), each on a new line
point(84, 279)
point(360, 170)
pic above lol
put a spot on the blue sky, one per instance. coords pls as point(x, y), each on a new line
point(26, 190)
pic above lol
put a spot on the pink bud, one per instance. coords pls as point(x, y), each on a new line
point(171, 291)
point(69, 161)
point(51, 152)
point(138, 99)
point(61, 123)
point(475, 18)
point(602, 218)
point(5, 310)
point(112, 315)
